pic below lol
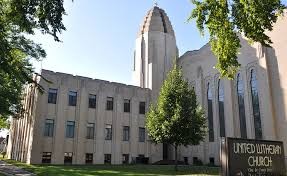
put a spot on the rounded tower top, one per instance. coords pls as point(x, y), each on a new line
point(156, 20)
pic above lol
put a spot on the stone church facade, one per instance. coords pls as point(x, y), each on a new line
point(79, 120)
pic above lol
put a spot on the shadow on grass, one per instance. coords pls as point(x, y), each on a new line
point(115, 170)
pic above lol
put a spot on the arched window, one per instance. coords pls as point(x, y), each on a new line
point(241, 107)
point(210, 114)
point(255, 105)
point(221, 108)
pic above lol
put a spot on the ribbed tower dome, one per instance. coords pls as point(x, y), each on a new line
point(156, 20)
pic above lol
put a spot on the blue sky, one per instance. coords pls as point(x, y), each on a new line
point(100, 37)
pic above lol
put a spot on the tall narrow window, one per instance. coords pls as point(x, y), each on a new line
point(72, 98)
point(92, 101)
point(110, 103)
point(142, 108)
point(210, 114)
point(70, 129)
point(49, 128)
point(127, 105)
point(108, 132)
point(90, 130)
point(221, 108)
point(255, 105)
point(126, 133)
point(141, 134)
point(241, 107)
point(108, 158)
point(52, 96)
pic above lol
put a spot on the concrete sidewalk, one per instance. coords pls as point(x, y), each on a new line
point(11, 170)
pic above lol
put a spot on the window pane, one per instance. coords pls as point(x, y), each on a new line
point(126, 105)
point(125, 159)
point(92, 101)
point(221, 108)
point(141, 134)
point(110, 103)
point(241, 107)
point(142, 108)
point(72, 98)
point(90, 130)
point(126, 133)
point(108, 132)
point(70, 129)
point(210, 114)
point(49, 128)
point(255, 106)
point(52, 96)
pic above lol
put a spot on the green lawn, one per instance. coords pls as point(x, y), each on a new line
point(137, 170)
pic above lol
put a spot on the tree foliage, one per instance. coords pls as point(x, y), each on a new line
point(18, 20)
point(224, 19)
point(177, 118)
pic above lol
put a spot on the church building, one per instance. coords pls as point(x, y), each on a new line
point(80, 120)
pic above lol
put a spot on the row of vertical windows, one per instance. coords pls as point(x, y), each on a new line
point(241, 108)
point(70, 129)
point(68, 158)
point(52, 99)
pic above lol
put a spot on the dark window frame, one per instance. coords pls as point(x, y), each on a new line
point(142, 107)
point(221, 108)
point(110, 104)
point(127, 105)
point(52, 96)
point(125, 158)
point(210, 114)
point(72, 98)
point(92, 101)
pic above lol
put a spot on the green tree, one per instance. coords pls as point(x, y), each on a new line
point(177, 119)
point(224, 19)
point(19, 19)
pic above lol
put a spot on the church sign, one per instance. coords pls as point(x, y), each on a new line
point(246, 157)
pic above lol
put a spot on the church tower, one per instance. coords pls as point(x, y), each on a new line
point(154, 52)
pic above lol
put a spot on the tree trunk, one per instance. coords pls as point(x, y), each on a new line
point(175, 147)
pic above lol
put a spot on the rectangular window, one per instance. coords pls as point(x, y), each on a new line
point(46, 157)
point(110, 103)
point(126, 133)
point(89, 158)
point(142, 108)
point(68, 158)
point(52, 96)
point(108, 132)
point(90, 130)
point(127, 104)
point(92, 101)
point(70, 129)
point(125, 159)
point(108, 158)
point(141, 134)
point(49, 128)
point(211, 161)
point(72, 98)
